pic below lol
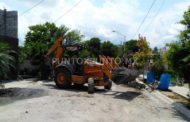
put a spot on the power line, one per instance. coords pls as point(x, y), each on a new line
point(157, 13)
point(154, 1)
point(68, 11)
point(37, 4)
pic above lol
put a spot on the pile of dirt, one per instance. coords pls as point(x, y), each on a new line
point(127, 77)
point(124, 76)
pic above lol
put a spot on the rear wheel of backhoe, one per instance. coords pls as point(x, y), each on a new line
point(62, 78)
point(91, 86)
point(109, 85)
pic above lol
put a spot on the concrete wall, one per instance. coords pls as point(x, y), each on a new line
point(9, 23)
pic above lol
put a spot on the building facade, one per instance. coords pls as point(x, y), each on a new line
point(9, 23)
point(9, 35)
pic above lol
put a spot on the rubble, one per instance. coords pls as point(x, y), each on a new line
point(128, 77)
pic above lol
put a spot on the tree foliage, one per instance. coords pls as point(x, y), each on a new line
point(179, 60)
point(178, 54)
point(109, 49)
point(94, 46)
point(74, 36)
point(41, 37)
point(84, 53)
point(158, 68)
point(6, 60)
point(143, 55)
point(131, 46)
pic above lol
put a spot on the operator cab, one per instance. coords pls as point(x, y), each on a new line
point(73, 60)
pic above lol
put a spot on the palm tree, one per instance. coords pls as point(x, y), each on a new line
point(6, 60)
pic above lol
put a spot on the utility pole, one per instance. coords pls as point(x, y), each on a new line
point(124, 38)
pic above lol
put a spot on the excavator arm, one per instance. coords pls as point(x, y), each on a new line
point(109, 65)
point(57, 46)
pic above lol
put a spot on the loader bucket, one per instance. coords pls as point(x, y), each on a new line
point(121, 75)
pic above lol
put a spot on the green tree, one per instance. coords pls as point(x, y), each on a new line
point(178, 54)
point(94, 46)
point(6, 60)
point(155, 50)
point(185, 34)
point(74, 36)
point(84, 53)
point(40, 38)
point(179, 59)
point(22, 54)
point(109, 49)
point(158, 68)
point(156, 55)
point(143, 55)
point(131, 46)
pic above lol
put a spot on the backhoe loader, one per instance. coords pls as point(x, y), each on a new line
point(91, 72)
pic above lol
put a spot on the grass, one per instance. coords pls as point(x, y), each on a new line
point(177, 98)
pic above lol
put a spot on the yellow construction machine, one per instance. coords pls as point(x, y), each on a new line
point(91, 72)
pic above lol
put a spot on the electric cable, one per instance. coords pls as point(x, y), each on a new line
point(34, 6)
point(144, 19)
point(68, 11)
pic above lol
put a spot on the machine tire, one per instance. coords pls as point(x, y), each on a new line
point(91, 86)
point(109, 85)
point(62, 78)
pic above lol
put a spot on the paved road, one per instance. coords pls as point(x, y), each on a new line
point(42, 102)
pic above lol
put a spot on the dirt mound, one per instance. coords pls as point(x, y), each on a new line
point(127, 77)
point(124, 76)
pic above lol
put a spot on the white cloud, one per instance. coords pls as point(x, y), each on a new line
point(46, 3)
point(111, 16)
point(4, 6)
point(93, 20)
point(166, 27)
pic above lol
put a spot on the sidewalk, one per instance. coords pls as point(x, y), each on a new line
point(183, 91)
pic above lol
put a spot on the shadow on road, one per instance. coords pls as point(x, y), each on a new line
point(10, 95)
point(128, 95)
point(75, 88)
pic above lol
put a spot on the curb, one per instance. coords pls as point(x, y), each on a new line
point(179, 93)
point(178, 106)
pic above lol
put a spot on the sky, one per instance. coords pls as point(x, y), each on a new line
point(99, 18)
